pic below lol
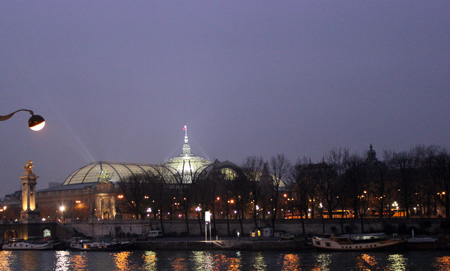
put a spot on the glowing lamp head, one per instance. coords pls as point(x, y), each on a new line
point(36, 123)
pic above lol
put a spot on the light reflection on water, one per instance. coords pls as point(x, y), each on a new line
point(62, 260)
point(442, 263)
point(121, 260)
point(291, 262)
point(259, 263)
point(223, 260)
point(366, 262)
point(323, 261)
point(397, 262)
point(78, 262)
point(150, 260)
point(6, 258)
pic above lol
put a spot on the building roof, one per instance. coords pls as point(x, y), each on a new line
point(186, 165)
point(97, 172)
point(183, 167)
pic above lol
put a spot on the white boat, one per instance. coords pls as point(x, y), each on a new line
point(421, 240)
point(357, 242)
point(20, 244)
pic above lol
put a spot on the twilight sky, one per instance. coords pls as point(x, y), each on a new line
point(118, 80)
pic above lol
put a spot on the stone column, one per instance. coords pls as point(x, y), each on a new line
point(29, 213)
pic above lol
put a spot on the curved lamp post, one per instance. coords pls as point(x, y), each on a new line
point(35, 122)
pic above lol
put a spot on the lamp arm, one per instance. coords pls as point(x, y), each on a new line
point(2, 118)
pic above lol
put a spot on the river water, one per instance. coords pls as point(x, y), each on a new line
point(223, 260)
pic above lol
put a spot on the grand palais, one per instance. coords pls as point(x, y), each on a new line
point(93, 192)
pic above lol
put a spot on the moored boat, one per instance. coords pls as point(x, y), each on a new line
point(90, 245)
point(357, 242)
point(21, 244)
point(426, 242)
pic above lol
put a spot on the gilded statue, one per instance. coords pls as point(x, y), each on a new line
point(28, 167)
point(105, 176)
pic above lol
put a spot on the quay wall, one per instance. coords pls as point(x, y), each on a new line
point(130, 228)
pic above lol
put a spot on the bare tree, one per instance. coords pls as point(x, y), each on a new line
point(213, 180)
point(280, 168)
point(378, 186)
point(355, 178)
point(402, 168)
point(184, 191)
point(158, 192)
point(328, 187)
point(302, 186)
point(203, 193)
point(441, 172)
point(134, 189)
point(252, 168)
point(336, 160)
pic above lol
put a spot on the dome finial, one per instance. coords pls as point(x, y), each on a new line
point(186, 147)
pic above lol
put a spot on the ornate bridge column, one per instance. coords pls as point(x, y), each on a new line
point(29, 214)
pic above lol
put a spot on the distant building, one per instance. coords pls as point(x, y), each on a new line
point(92, 191)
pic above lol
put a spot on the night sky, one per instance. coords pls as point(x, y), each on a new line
point(118, 80)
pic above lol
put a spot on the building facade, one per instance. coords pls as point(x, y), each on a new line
point(92, 192)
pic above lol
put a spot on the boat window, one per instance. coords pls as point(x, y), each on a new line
point(327, 244)
point(318, 243)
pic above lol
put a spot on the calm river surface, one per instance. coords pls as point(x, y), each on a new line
point(223, 260)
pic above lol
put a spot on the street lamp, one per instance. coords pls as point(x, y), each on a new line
point(35, 122)
point(61, 208)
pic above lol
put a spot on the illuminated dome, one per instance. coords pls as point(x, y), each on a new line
point(186, 165)
point(107, 171)
point(183, 168)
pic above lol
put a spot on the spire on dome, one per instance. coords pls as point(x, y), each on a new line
point(186, 146)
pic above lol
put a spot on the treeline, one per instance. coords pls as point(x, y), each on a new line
point(412, 183)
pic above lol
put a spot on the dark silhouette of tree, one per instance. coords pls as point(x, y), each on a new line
point(241, 191)
point(424, 198)
point(441, 172)
point(183, 186)
point(252, 168)
point(402, 168)
point(157, 192)
point(379, 187)
point(279, 168)
point(211, 181)
point(355, 178)
point(302, 186)
point(377, 183)
point(204, 189)
point(336, 159)
point(134, 189)
point(328, 187)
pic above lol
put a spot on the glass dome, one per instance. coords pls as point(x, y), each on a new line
point(107, 171)
point(186, 166)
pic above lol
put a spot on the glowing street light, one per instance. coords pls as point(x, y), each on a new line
point(36, 122)
point(61, 208)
